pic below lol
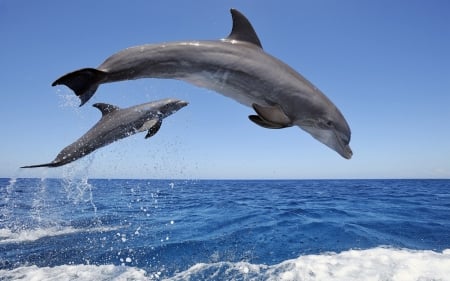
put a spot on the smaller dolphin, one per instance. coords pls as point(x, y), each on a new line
point(117, 124)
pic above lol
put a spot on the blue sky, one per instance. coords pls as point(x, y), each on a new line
point(385, 64)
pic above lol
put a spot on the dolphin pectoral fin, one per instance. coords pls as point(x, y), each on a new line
point(105, 108)
point(152, 126)
point(148, 124)
point(264, 123)
point(153, 130)
point(83, 82)
point(271, 117)
point(242, 29)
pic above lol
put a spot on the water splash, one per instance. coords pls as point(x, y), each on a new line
point(75, 182)
point(11, 184)
point(32, 234)
point(67, 99)
point(39, 204)
point(7, 202)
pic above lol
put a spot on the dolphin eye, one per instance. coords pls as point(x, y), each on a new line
point(325, 124)
point(329, 124)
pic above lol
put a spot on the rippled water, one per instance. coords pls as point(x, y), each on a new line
point(225, 230)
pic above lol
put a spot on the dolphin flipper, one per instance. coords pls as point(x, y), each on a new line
point(264, 123)
point(83, 82)
point(270, 117)
point(153, 130)
point(152, 126)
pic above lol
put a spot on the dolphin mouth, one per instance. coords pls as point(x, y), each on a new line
point(343, 142)
point(182, 103)
point(343, 148)
point(331, 138)
point(173, 107)
point(179, 105)
point(348, 152)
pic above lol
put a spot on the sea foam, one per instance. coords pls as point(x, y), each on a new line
point(74, 272)
point(375, 264)
point(369, 265)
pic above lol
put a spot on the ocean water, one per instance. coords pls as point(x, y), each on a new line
point(92, 229)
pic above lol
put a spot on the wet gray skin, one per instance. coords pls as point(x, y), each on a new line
point(236, 67)
point(117, 124)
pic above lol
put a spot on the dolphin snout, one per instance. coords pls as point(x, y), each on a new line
point(347, 152)
point(171, 106)
point(178, 104)
point(182, 103)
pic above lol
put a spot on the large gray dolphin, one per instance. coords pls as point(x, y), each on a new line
point(236, 67)
point(117, 124)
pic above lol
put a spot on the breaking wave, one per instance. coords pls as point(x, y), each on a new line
point(379, 263)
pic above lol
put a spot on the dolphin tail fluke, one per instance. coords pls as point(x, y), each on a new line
point(51, 164)
point(83, 82)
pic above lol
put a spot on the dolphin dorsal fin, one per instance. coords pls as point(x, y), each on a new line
point(105, 108)
point(242, 29)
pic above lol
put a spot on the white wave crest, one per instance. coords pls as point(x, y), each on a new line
point(74, 272)
point(28, 235)
point(369, 265)
point(375, 264)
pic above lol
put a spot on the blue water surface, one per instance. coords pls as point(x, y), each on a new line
point(167, 226)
